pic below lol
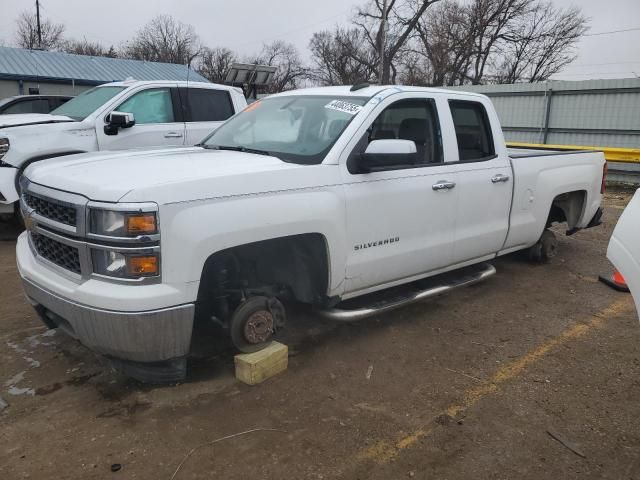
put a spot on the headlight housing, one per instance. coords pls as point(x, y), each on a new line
point(125, 240)
point(122, 224)
point(125, 265)
point(4, 147)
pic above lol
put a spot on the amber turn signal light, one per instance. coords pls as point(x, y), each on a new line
point(141, 224)
point(142, 266)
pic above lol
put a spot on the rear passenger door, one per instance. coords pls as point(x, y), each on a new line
point(484, 184)
point(205, 109)
point(158, 121)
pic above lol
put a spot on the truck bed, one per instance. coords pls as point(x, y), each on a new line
point(515, 152)
point(537, 183)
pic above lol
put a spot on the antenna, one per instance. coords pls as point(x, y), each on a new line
point(38, 21)
point(188, 70)
point(182, 100)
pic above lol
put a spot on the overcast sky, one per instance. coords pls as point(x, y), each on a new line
point(243, 25)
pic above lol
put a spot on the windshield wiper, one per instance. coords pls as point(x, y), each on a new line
point(240, 149)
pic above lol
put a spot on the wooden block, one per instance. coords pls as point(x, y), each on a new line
point(255, 368)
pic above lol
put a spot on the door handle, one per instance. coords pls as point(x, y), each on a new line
point(443, 185)
point(500, 178)
point(173, 135)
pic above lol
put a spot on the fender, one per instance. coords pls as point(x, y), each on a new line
point(201, 229)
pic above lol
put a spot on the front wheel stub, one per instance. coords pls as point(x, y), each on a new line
point(254, 322)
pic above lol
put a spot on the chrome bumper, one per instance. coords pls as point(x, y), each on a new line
point(148, 336)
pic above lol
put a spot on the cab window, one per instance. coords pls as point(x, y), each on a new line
point(150, 106)
point(38, 105)
point(415, 120)
point(473, 131)
point(207, 105)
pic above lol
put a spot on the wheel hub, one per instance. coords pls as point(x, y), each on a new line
point(259, 327)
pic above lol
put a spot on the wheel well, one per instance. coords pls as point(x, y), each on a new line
point(567, 207)
point(294, 267)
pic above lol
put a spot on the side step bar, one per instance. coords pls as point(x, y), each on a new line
point(349, 315)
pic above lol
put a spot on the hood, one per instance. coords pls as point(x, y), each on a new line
point(21, 119)
point(160, 175)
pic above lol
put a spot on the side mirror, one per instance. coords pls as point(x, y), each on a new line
point(116, 120)
point(387, 154)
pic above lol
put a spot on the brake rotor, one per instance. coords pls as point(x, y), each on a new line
point(259, 327)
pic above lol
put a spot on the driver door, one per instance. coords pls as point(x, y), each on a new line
point(158, 120)
point(400, 223)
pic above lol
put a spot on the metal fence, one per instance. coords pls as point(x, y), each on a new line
point(602, 114)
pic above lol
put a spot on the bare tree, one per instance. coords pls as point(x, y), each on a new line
point(494, 41)
point(402, 18)
point(541, 44)
point(86, 47)
point(490, 23)
point(290, 69)
point(164, 39)
point(334, 57)
point(27, 32)
point(446, 42)
point(215, 63)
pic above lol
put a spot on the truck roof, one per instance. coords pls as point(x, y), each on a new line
point(135, 83)
point(372, 90)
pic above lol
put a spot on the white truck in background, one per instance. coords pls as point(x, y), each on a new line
point(321, 196)
point(114, 116)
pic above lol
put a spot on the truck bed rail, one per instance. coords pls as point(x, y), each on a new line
point(611, 154)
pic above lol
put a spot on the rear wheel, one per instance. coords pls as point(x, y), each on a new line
point(545, 249)
point(254, 323)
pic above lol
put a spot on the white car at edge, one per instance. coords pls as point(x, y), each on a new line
point(624, 247)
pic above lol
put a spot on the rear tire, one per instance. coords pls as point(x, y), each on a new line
point(545, 249)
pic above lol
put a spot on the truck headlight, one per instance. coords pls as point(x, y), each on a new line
point(125, 265)
point(114, 223)
point(4, 147)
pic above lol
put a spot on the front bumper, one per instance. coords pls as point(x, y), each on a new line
point(149, 335)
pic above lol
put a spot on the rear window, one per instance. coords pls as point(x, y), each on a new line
point(207, 105)
point(473, 130)
point(37, 105)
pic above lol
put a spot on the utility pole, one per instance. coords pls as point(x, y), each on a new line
point(383, 39)
point(38, 21)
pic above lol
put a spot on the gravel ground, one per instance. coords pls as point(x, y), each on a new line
point(532, 374)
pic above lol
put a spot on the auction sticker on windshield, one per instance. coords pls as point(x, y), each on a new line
point(342, 106)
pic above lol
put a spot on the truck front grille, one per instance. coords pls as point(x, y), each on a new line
point(56, 252)
point(52, 210)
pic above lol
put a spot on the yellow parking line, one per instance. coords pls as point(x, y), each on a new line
point(385, 451)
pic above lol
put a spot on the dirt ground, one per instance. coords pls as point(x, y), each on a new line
point(471, 385)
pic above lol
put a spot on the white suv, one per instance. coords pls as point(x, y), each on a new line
point(114, 116)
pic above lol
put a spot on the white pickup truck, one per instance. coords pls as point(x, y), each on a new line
point(114, 116)
point(320, 196)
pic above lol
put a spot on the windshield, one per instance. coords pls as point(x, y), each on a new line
point(299, 129)
point(87, 102)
